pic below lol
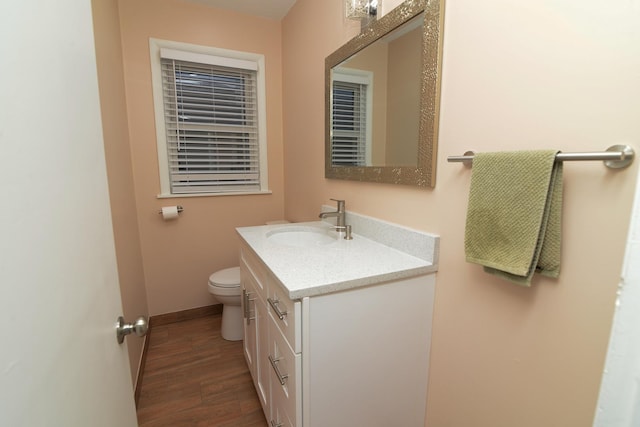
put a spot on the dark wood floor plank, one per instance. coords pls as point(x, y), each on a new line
point(193, 377)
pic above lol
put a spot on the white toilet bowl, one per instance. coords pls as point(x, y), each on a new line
point(225, 286)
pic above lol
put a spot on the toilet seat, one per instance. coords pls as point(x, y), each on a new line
point(227, 278)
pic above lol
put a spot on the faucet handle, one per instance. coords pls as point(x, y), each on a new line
point(346, 229)
point(340, 204)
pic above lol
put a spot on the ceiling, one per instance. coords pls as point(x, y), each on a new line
point(274, 9)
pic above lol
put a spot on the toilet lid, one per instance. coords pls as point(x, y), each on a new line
point(227, 278)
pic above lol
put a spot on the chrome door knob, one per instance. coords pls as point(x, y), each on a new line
point(139, 327)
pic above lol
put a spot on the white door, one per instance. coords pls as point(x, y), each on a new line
point(619, 401)
point(60, 364)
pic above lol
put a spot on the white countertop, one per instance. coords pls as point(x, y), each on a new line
point(340, 265)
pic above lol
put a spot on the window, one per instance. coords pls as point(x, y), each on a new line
point(351, 118)
point(209, 120)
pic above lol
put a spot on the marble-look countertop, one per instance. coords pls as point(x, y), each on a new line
point(337, 266)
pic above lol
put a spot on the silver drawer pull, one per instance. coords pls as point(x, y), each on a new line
point(275, 424)
point(282, 378)
point(247, 309)
point(274, 305)
point(245, 304)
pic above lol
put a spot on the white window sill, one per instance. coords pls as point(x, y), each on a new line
point(246, 193)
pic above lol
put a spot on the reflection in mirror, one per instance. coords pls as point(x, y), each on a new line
point(376, 98)
point(382, 93)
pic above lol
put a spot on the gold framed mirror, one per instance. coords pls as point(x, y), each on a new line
point(382, 98)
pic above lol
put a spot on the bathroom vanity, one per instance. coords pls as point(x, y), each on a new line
point(337, 332)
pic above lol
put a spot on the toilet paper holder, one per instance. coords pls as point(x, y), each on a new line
point(180, 209)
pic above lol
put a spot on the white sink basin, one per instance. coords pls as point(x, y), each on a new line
point(301, 237)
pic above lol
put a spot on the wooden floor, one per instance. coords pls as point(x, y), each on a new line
point(195, 378)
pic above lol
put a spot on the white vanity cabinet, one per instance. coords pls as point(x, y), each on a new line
point(366, 354)
point(356, 356)
point(272, 342)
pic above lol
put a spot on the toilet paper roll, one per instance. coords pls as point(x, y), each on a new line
point(169, 212)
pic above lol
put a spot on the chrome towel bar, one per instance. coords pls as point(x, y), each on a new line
point(615, 157)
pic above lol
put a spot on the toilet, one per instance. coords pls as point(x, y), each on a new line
point(225, 286)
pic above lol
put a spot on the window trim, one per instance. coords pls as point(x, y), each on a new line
point(196, 52)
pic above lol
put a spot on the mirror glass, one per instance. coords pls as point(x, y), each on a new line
point(382, 96)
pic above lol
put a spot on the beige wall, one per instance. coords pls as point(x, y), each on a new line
point(118, 157)
point(515, 76)
point(179, 255)
point(311, 31)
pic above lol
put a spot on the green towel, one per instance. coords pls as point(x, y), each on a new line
point(514, 216)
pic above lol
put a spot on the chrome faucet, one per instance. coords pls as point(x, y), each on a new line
point(339, 214)
point(340, 219)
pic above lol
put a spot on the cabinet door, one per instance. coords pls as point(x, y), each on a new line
point(249, 327)
point(256, 335)
point(261, 377)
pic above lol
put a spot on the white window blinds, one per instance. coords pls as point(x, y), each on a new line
point(349, 124)
point(211, 121)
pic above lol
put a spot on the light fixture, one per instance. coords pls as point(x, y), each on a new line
point(361, 9)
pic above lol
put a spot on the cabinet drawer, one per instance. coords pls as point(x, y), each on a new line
point(286, 314)
point(279, 415)
point(253, 264)
point(286, 378)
